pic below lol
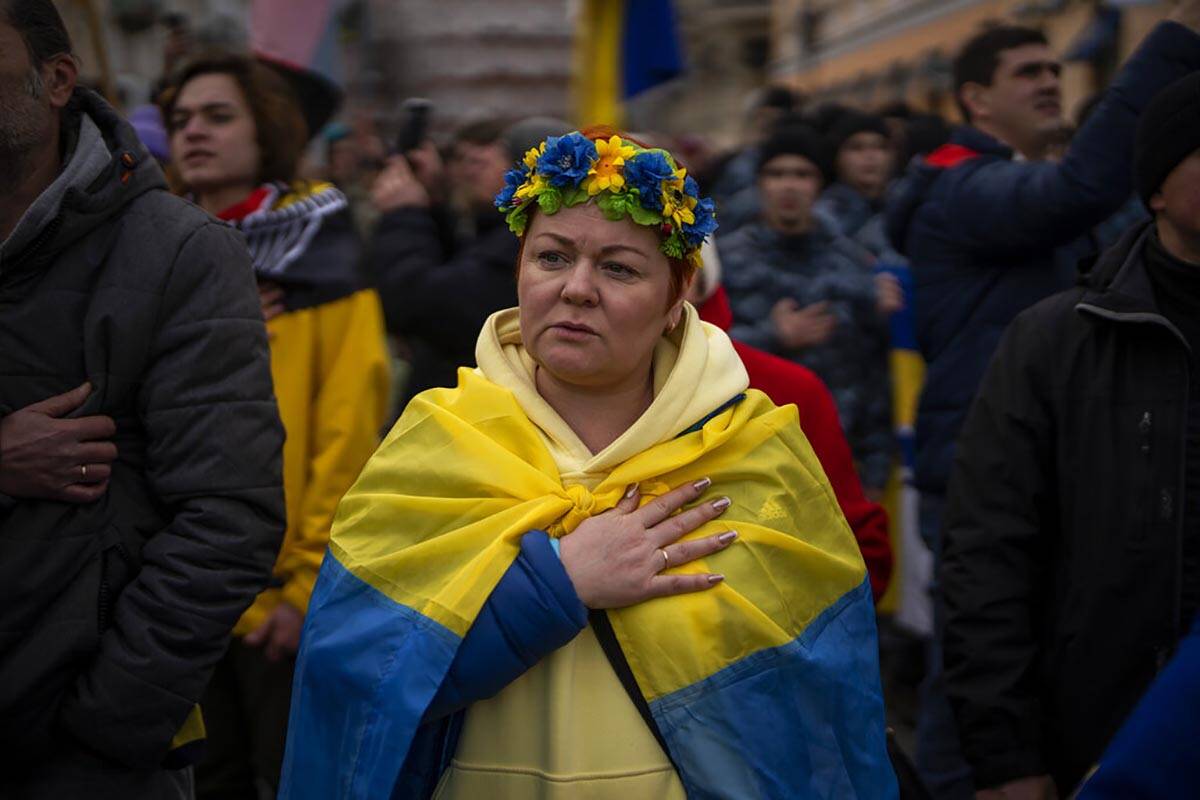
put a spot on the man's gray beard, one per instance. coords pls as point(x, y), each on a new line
point(20, 130)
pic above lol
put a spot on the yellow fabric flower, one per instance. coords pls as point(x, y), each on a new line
point(678, 204)
point(531, 187)
point(606, 172)
point(533, 154)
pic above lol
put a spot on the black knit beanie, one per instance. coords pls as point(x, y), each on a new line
point(796, 140)
point(856, 122)
point(1168, 132)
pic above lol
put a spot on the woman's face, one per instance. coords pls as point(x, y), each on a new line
point(213, 142)
point(594, 297)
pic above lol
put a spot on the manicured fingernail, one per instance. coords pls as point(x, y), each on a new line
point(631, 491)
point(702, 484)
point(722, 504)
point(727, 537)
point(715, 579)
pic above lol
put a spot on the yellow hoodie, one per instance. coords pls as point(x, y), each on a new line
point(521, 744)
point(331, 371)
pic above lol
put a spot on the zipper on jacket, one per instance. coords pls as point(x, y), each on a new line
point(105, 593)
point(46, 234)
point(1181, 490)
point(1145, 427)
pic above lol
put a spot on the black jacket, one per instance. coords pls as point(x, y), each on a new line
point(436, 303)
point(981, 232)
point(1061, 567)
point(113, 614)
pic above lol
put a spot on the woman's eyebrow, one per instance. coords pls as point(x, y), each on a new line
point(563, 240)
point(566, 241)
point(612, 247)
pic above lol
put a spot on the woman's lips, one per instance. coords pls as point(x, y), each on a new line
point(573, 331)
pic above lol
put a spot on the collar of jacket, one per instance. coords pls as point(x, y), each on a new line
point(972, 138)
point(130, 173)
point(1120, 289)
point(820, 232)
point(966, 144)
point(850, 207)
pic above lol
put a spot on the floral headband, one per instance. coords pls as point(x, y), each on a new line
point(626, 181)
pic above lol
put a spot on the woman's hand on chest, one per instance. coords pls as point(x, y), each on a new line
point(615, 559)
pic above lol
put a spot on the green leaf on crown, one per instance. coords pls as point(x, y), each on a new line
point(613, 205)
point(643, 216)
point(673, 246)
point(574, 197)
point(517, 219)
point(550, 200)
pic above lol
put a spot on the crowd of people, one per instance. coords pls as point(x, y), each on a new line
point(545, 462)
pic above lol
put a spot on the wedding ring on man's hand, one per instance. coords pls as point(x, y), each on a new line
point(666, 559)
point(83, 472)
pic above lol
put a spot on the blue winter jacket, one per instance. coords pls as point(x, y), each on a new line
point(981, 230)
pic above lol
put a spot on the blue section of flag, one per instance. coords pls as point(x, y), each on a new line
point(367, 669)
point(792, 721)
point(903, 322)
point(650, 51)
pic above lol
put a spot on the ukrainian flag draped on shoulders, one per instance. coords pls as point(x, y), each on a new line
point(765, 686)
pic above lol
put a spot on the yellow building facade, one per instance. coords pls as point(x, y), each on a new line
point(868, 53)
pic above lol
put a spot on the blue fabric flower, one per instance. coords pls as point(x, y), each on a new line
point(645, 172)
point(567, 160)
point(690, 187)
point(512, 181)
point(706, 222)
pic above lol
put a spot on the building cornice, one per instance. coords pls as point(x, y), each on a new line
point(888, 23)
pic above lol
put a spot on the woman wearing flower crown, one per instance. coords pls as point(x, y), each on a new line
point(600, 567)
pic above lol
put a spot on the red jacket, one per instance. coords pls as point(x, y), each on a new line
point(786, 382)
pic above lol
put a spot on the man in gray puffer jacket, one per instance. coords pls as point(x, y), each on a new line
point(802, 291)
point(138, 517)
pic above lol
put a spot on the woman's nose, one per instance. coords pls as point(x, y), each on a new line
point(579, 287)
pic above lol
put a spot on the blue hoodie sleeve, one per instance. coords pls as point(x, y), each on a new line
point(1004, 204)
point(532, 612)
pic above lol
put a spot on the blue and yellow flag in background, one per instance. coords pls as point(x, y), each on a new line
point(623, 47)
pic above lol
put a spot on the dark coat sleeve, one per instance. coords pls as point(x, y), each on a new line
point(440, 298)
point(532, 612)
point(1008, 204)
point(213, 459)
point(6, 502)
point(403, 250)
point(997, 531)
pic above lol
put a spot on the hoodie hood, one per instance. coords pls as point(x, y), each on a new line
point(87, 156)
point(911, 191)
point(107, 167)
point(696, 371)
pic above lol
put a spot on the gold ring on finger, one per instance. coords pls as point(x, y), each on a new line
point(666, 558)
point(83, 471)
